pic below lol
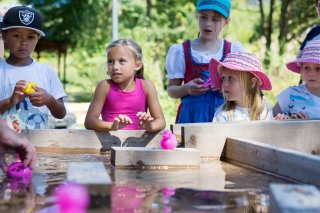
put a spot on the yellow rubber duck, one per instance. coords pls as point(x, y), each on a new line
point(29, 89)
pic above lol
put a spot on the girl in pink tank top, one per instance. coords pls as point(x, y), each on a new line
point(123, 101)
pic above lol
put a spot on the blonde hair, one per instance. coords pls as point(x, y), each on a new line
point(252, 96)
point(134, 48)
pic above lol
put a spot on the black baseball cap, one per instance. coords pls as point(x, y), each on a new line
point(23, 17)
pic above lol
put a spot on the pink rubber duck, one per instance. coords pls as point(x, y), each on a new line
point(72, 197)
point(169, 140)
point(18, 170)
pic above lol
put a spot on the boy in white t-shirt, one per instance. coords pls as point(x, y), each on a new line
point(21, 30)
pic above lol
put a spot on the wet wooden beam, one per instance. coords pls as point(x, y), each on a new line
point(88, 173)
point(93, 175)
point(294, 198)
point(209, 138)
point(153, 158)
point(291, 164)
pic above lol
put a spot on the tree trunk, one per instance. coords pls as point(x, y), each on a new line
point(262, 17)
point(283, 25)
point(270, 26)
point(148, 13)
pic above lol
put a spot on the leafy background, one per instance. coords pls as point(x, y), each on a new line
point(273, 29)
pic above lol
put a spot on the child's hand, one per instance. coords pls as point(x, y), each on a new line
point(196, 87)
point(18, 94)
point(281, 116)
point(299, 115)
point(145, 120)
point(120, 121)
point(40, 97)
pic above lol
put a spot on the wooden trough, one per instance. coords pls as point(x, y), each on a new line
point(278, 148)
point(209, 138)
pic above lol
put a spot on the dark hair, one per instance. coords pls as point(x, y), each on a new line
point(135, 49)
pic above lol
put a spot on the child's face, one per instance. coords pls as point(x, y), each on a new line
point(122, 64)
point(210, 24)
point(21, 42)
point(311, 75)
point(231, 86)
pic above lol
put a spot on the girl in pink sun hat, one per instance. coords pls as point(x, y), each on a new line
point(303, 101)
point(241, 79)
point(187, 63)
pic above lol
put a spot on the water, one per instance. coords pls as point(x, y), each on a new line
point(216, 187)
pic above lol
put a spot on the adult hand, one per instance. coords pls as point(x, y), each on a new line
point(19, 142)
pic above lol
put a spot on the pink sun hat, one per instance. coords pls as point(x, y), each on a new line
point(310, 54)
point(242, 61)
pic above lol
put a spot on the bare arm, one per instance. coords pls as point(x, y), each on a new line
point(92, 120)
point(178, 90)
point(155, 121)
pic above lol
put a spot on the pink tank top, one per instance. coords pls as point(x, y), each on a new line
point(126, 103)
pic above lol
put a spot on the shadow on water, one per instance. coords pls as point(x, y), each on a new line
point(215, 187)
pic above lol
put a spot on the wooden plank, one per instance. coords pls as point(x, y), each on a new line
point(93, 175)
point(292, 164)
point(65, 140)
point(210, 138)
point(150, 158)
point(294, 198)
point(88, 173)
point(88, 141)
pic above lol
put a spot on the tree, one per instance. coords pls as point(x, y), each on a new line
point(294, 17)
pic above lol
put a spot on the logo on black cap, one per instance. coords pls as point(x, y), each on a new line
point(26, 17)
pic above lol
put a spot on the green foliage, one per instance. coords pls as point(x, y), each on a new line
point(155, 25)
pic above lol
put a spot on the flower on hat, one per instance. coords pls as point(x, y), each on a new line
point(309, 54)
point(242, 62)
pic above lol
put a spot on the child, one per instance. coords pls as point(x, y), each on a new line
point(302, 101)
point(241, 78)
point(123, 100)
point(187, 63)
point(21, 30)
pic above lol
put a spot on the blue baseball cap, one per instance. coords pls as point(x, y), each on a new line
point(221, 6)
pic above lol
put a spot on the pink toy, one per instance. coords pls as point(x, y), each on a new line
point(127, 199)
point(168, 192)
point(18, 170)
point(71, 197)
point(208, 83)
point(19, 184)
point(169, 140)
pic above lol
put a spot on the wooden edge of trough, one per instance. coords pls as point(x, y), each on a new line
point(89, 141)
point(287, 163)
point(210, 138)
point(154, 158)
